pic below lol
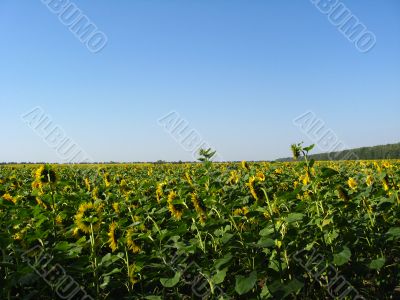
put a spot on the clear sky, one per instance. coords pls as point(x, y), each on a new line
point(237, 71)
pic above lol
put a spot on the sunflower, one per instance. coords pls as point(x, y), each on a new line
point(188, 179)
point(38, 173)
point(87, 184)
point(159, 191)
point(45, 174)
point(115, 206)
point(123, 186)
point(352, 183)
point(234, 178)
point(241, 211)
point(174, 208)
point(59, 219)
point(95, 193)
point(305, 179)
point(107, 179)
point(260, 176)
point(370, 180)
point(132, 274)
point(10, 198)
point(250, 184)
point(199, 207)
point(88, 215)
point(112, 236)
point(130, 242)
point(377, 167)
point(36, 184)
point(385, 183)
point(245, 165)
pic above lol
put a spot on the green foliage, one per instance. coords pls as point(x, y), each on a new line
point(231, 230)
point(390, 151)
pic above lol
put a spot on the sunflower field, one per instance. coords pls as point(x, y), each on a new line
point(294, 230)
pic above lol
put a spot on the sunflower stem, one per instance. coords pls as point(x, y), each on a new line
point(94, 260)
point(53, 206)
point(128, 269)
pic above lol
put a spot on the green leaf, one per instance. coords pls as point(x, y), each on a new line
point(273, 265)
point(285, 289)
point(226, 237)
point(331, 236)
point(343, 257)
point(265, 242)
point(292, 287)
point(294, 217)
point(114, 271)
point(171, 282)
point(377, 264)
point(108, 259)
point(266, 231)
point(394, 231)
point(312, 162)
point(106, 281)
point(309, 148)
point(219, 277)
point(265, 293)
point(328, 172)
point(62, 246)
point(153, 298)
point(245, 284)
point(220, 262)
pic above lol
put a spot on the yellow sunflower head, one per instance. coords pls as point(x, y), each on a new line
point(199, 207)
point(59, 219)
point(241, 211)
point(87, 184)
point(250, 184)
point(88, 217)
point(305, 179)
point(176, 210)
point(370, 180)
point(113, 236)
point(45, 174)
point(234, 178)
point(107, 179)
point(115, 206)
point(123, 186)
point(385, 183)
point(130, 241)
point(10, 198)
point(160, 191)
point(260, 176)
point(352, 183)
point(133, 270)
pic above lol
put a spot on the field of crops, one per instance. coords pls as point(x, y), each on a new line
point(299, 230)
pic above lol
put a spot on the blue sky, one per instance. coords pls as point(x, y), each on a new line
point(237, 71)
